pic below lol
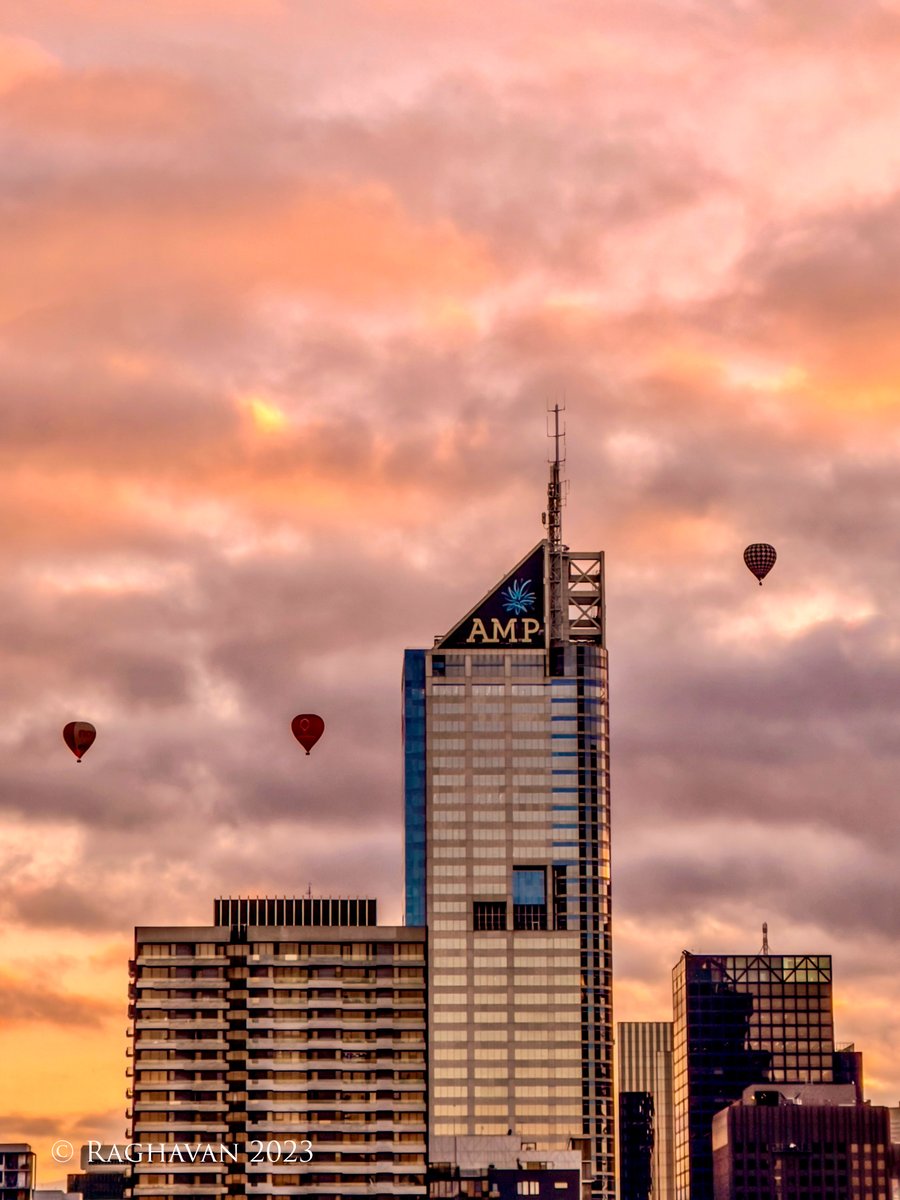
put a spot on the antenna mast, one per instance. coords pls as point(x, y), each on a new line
point(765, 945)
point(554, 488)
point(553, 520)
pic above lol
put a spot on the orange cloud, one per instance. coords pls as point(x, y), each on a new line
point(22, 1002)
point(22, 59)
point(104, 104)
point(347, 243)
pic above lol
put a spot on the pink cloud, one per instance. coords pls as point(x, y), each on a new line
point(400, 229)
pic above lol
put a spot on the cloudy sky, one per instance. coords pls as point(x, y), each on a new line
point(286, 288)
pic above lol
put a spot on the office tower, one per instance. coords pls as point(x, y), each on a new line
point(806, 1143)
point(17, 1175)
point(740, 1020)
point(644, 1061)
point(290, 1020)
point(507, 857)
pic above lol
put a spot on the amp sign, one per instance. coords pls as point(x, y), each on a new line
point(511, 615)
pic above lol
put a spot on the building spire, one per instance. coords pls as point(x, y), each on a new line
point(553, 521)
point(555, 487)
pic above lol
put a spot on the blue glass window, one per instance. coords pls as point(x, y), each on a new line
point(529, 885)
point(414, 783)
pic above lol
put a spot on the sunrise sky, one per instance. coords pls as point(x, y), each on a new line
point(286, 288)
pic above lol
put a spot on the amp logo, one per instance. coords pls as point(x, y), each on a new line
point(513, 631)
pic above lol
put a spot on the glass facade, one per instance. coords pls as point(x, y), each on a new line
point(414, 783)
point(740, 1020)
point(636, 1145)
point(507, 794)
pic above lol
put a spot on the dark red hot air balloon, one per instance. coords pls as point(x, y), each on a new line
point(79, 737)
point(760, 559)
point(307, 728)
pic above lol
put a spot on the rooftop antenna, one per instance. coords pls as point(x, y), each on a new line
point(765, 945)
point(556, 498)
point(555, 495)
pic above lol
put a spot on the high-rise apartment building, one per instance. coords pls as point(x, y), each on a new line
point(507, 857)
point(293, 1021)
point(740, 1020)
point(644, 1062)
point(17, 1174)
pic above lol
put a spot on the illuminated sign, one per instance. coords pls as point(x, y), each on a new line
point(511, 615)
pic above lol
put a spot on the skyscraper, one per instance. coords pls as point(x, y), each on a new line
point(740, 1020)
point(507, 856)
point(644, 1053)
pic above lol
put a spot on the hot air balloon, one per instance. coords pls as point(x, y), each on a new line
point(79, 737)
point(307, 728)
point(760, 559)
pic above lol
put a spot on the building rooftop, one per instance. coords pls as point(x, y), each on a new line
point(803, 1093)
point(505, 1152)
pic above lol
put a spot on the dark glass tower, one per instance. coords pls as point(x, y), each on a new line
point(636, 1145)
point(740, 1020)
point(507, 858)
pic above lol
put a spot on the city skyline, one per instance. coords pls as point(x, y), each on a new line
point(286, 296)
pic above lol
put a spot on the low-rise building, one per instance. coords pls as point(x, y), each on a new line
point(802, 1142)
point(501, 1167)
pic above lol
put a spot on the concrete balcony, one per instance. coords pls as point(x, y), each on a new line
point(181, 1085)
point(145, 1023)
point(183, 985)
point(181, 1063)
point(146, 1041)
point(348, 1187)
point(191, 1121)
point(179, 1106)
point(179, 1189)
point(174, 1002)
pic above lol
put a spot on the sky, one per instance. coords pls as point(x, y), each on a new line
point(286, 289)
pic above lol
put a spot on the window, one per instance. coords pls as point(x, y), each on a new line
point(529, 1187)
point(488, 914)
point(560, 897)
point(529, 898)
